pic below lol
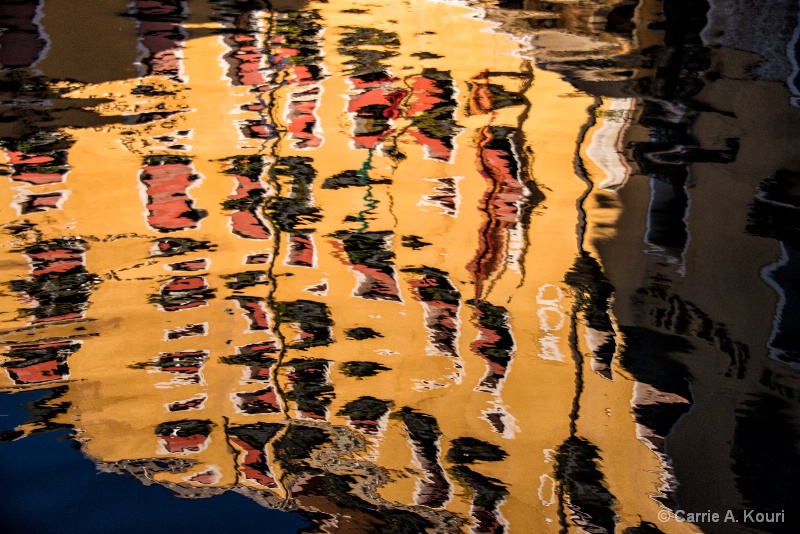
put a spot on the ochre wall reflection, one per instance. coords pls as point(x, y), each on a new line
point(312, 264)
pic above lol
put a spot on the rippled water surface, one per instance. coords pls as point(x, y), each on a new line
point(417, 266)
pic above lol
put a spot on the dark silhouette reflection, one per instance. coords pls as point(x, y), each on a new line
point(593, 292)
point(763, 443)
point(774, 214)
point(369, 255)
point(22, 42)
point(365, 413)
point(582, 483)
point(489, 492)
point(423, 432)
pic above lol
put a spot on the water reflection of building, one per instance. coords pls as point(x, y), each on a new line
point(244, 338)
point(355, 324)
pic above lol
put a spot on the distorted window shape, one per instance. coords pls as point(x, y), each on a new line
point(37, 372)
point(201, 264)
point(250, 441)
point(194, 403)
point(38, 159)
point(185, 366)
point(256, 313)
point(320, 289)
point(246, 222)
point(373, 102)
point(257, 360)
point(441, 302)
point(243, 35)
point(666, 311)
point(783, 343)
point(165, 180)
point(28, 203)
point(774, 213)
point(606, 146)
point(667, 215)
point(189, 330)
point(188, 361)
point(257, 259)
point(302, 119)
point(551, 319)
point(160, 32)
point(263, 401)
point(593, 293)
point(301, 251)
point(248, 198)
point(311, 389)
point(177, 246)
point(362, 369)
point(297, 45)
point(549, 348)
point(259, 373)
point(549, 295)
point(59, 284)
point(310, 320)
point(245, 279)
point(495, 342)
point(488, 493)
point(185, 436)
point(208, 477)
point(546, 482)
point(507, 205)
point(578, 473)
point(367, 414)
point(501, 163)
point(373, 110)
point(182, 293)
point(295, 210)
point(501, 421)
point(370, 256)
point(258, 129)
point(445, 198)
point(432, 108)
point(40, 362)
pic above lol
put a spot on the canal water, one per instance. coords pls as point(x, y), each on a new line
point(419, 266)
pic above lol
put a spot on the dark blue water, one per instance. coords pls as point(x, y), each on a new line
point(49, 486)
